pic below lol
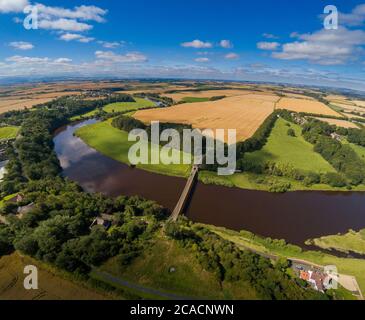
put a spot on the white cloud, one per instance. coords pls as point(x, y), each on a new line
point(326, 47)
point(58, 18)
point(64, 25)
point(75, 37)
point(268, 45)
point(270, 36)
point(7, 6)
point(21, 45)
point(131, 57)
point(85, 13)
point(36, 61)
point(202, 60)
point(227, 44)
point(232, 56)
point(198, 44)
point(111, 45)
point(355, 18)
point(26, 60)
point(63, 60)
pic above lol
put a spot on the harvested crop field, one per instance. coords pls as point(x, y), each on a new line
point(51, 286)
point(349, 108)
point(206, 94)
point(297, 96)
point(308, 106)
point(19, 104)
point(243, 113)
point(354, 116)
point(360, 103)
point(339, 123)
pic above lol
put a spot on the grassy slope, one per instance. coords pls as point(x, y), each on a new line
point(52, 283)
point(358, 149)
point(151, 270)
point(351, 241)
point(7, 198)
point(114, 143)
point(282, 149)
point(354, 267)
point(8, 132)
point(119, 107)
point(295, 151)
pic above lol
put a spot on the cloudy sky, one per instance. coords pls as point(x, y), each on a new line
point(262, 40)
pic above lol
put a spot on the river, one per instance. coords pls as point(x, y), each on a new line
point(293, 216)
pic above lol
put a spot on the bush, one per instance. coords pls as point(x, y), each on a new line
point(334, 179)
point(312, 178)
point(279, 187)
point(291, 133)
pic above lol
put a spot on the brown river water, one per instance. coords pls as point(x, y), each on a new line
point(293, 216)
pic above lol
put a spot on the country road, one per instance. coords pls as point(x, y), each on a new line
point(124, 283)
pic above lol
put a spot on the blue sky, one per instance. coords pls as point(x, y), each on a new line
point(276, 40)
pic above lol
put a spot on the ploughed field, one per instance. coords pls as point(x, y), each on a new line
point(244, 113)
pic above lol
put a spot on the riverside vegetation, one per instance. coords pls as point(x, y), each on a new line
point(56, 231)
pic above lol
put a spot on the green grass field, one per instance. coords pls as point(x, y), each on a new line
point(360, 151)
point(119, 107)
point(351, 241)
point(294, 151)
point(243, 239)
point(7, 198)
point(8, 132)
point(251, 181)
point(193, 100)
point(151, 270)
point(114, 143)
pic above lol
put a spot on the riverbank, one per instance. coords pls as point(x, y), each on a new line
point(247, 240)
point(118, 107)
point(114, 143)
point(352, 241)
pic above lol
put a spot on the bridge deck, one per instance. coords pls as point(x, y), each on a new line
point(185, 195)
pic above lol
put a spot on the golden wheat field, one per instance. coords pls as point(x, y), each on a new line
point(360, 103)
point(297, 95)
point(206, 94)
point(51, 286)
point(349, 108)
point(19, 104)
point(342, 105)
point(308, 106)
point(339, 123)
point(354, 116)
point(244, 113)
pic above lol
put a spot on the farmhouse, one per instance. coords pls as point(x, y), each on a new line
point(104, 220)
point(318, 280)
point(336, 136)
point(22, 211)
